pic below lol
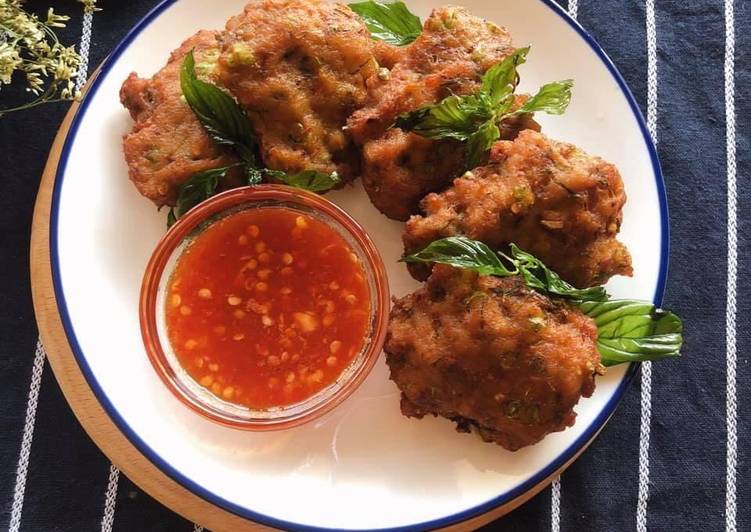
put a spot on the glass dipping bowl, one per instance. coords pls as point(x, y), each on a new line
point(153, 307)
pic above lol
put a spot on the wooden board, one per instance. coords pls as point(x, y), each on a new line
point(100, 426)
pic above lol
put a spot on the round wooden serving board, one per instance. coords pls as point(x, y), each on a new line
point(100, 426)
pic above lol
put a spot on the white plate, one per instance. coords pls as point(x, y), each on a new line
point(364, 465)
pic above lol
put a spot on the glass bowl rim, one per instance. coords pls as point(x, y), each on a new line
point(225, 201)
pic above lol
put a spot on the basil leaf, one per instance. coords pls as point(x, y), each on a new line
point(455, 117)
point(462, 117)
point(253, 175)
point(462, 252)
point(413, 119)
point(392, 23)
point(465, 253)
point(552, 98)
point(171, 217)
point(475, 118)
point(221, 116)
point(196, 189)
point(308, 179)
point(542, 278)
point(480, 142)
point(627, 331)
point(633, 331)
point(500, 81)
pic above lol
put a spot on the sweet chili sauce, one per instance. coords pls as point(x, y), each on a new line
point(267, 306)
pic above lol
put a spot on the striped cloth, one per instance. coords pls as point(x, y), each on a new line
point(675, 456)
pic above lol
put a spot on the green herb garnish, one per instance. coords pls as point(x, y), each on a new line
point(308, 179)
point(199, 187)
point(542, 278)
point(220, 115)
point(627, 331)
point(552, 98)
point(468, 254)
point(389, 22)
point(634, 331)
point(475, 118)
point(465, 253)
point(228, 125)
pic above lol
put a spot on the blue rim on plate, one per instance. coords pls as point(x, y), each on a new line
point(236, 509)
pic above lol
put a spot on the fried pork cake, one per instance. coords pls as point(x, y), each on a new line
point(299, 68)
point(449, 57)
point(548, 197)
point(491, 355)
point(167, 143)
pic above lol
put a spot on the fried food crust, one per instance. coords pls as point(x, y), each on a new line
point(550, 198)
point(399, 168)
point(492, 355)
point(167, 143)
point(449, 57)
point(299, 67)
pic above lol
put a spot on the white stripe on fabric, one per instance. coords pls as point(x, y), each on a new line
point(645, 421)
point(110, 499)
point(651, 69)
point(555, 487)
point(555, 505)
point(573, 8)
point(197, 527)
point(644, 433)
point(83, 50)
point(28, 435)
point(732, 271)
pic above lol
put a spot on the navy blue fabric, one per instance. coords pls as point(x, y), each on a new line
point(67, 476)
point(689, 415)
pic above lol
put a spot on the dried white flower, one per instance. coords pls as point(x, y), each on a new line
point(89, 6)
point(34, 82)
point(30, 47)
point(56, 21)
point(9, 62)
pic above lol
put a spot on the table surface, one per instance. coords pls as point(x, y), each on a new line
point(675, 455)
